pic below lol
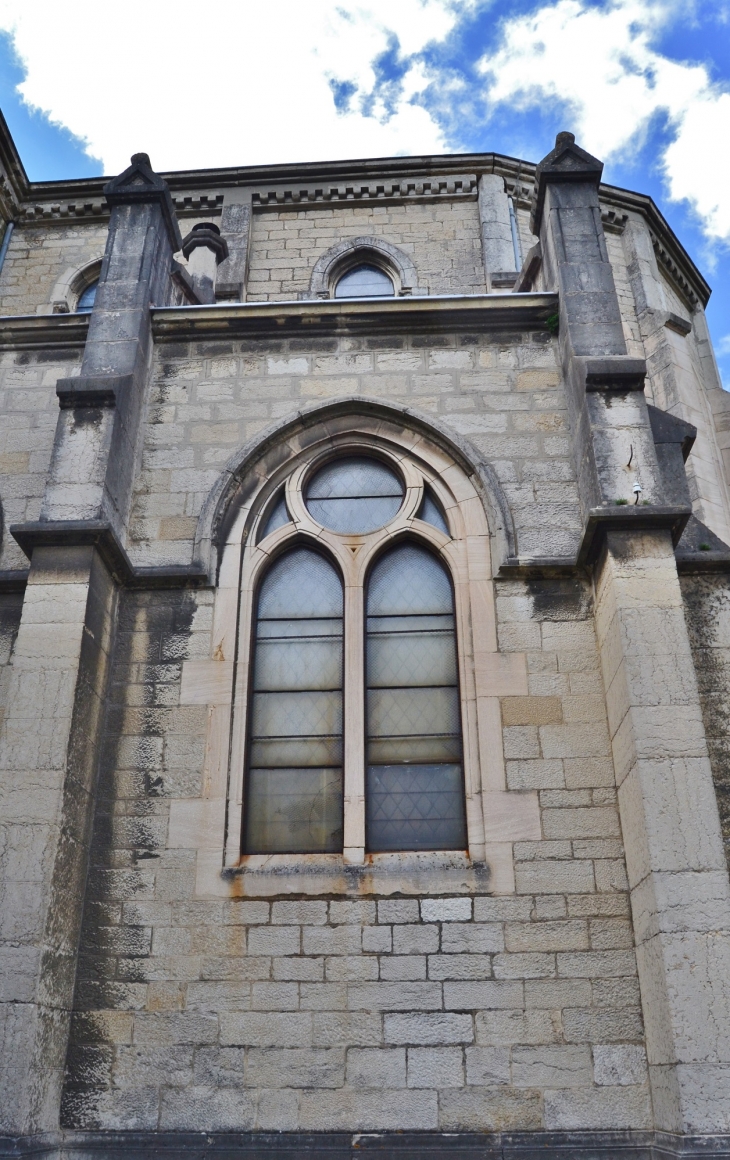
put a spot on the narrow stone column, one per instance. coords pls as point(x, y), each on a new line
point(236, 230)
point(96, 438)
point(497, 245)
point(680, 893)
point(48, 750)
point(680, 379)
point(679, 884)
point(53, 727)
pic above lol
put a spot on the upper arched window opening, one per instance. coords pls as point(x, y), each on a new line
point(87, 298)
point(364, 282)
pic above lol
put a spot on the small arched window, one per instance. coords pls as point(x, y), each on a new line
point(364, 282)
point(87, 298)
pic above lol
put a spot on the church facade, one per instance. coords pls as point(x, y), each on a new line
point(365, 606)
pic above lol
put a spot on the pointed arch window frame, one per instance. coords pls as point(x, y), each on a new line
point(465, 553)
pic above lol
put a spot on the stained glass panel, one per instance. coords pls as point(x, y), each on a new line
point(415, 796)
point(294, 789)
point(354, 496)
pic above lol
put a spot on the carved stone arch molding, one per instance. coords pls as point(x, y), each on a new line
point(234, 528)
point(342, 257)
point(275, 444)
point(71, 285)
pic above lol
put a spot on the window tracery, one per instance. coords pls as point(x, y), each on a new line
point(361, 691)
point(443, 511)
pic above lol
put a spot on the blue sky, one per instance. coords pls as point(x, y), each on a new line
point(644, 84)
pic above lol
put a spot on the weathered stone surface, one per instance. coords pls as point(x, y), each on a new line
point(571, 973)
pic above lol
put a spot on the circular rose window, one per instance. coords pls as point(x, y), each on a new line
point(354, 495)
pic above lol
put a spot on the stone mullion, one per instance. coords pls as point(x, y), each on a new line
point(354, 727)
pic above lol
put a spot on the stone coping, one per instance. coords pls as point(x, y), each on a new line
point(506, 312)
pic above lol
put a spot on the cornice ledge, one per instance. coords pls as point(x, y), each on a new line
point(629, 518)
point(33, 331)
point(100, 535)
point(497, 312)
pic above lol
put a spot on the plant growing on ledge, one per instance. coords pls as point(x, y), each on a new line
point(621, 502)
point(552, 322)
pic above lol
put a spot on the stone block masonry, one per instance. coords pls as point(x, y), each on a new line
point(557, 986)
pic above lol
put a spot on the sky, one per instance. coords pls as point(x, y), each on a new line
point(644, 85)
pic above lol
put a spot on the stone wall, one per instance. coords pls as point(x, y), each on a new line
point(29, 409)
point(442, 240)
point(503, 392)
point(707, 612)
point(520, 1011)
point(40, 256)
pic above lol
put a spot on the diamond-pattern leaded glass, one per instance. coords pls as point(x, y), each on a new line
point(294, 794)
point(354, 496)
point(415, 797)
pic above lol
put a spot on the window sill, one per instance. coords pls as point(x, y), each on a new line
point(416, 874)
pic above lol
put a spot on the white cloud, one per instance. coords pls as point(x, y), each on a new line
point(601, 61)
point(239, 83)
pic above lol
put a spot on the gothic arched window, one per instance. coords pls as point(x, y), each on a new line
point(354, 690)
point(87, 299)
point(364, 282)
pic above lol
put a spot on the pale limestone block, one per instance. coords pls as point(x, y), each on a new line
point(681, 829)
point(571, 934)
point(291, 913)
point(487, 1066)
point(383, 1067)
point(310, 1067)
point(472, 938)
point(498, 857)
point(619, 1064)
point(551, 1067)
point(459, 966)
point(363, 1110)
point(704, 1097)
point(197, 824)
point(401, 968)
point(435, 1067)
point(552, 877)
point(402, 996)
point(428, 1028)
point(501, 674)
point(277, 1111)
point(484, 995)
point(681, 901)
point(207, 1109)
point(512, 817)
point(266, 1029)
point(482, 1109)
point(610, 1109)
point(207, 682)
point(507, 1028)
point(446, 909)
